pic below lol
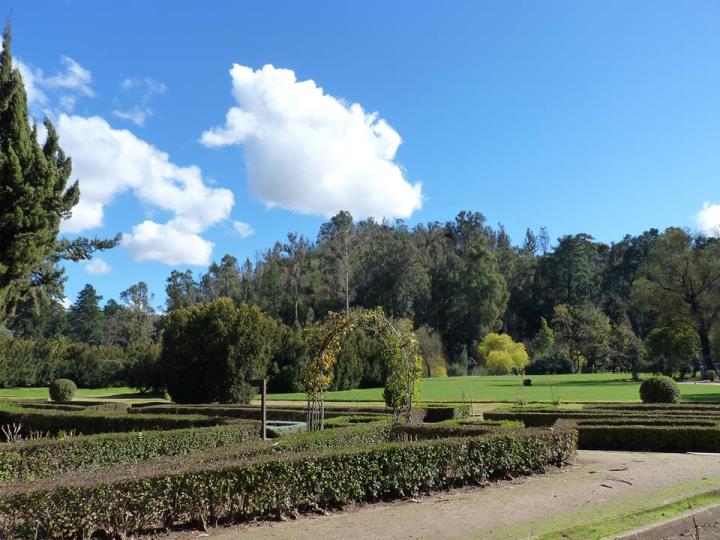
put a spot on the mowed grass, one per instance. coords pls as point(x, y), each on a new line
point(508, 388)
point(110, 394)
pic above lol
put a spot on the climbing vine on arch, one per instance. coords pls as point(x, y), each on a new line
point(401, 355)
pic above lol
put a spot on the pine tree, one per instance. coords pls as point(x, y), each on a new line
point(34, 198)
point(86, 317)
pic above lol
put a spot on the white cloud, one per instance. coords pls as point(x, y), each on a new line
point(65, 86)
point(97, 267)
point(108, 162)
point(167, 243)
point(308, 151)
point(708, 219)
point(65, 302)
point(243, 229)
point(73, 77)
point(142, 91)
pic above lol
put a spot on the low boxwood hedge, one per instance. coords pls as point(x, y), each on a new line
point(123, 501)
point(89, 422)
point(246, 412)
point(649, 438)
point(29, 460)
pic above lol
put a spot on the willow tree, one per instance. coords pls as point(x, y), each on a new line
point(401, 354)
point(34, 198)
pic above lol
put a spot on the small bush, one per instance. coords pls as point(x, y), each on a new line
point(527, 382)
point(659, 389)
point(710, 374)
point(62, 390)
point(553, 364)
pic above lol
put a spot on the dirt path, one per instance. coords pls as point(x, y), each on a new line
point(598, 484)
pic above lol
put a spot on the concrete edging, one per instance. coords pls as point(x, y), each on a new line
point(674, 526)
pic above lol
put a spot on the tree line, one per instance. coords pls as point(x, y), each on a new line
point(647, 302)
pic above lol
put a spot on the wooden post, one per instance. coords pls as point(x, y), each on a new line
point(263, 390)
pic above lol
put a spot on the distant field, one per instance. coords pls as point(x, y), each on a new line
point(590, 387)
point(548, 388)
point(123, 393)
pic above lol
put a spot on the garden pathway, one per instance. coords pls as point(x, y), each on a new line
point(596, 487)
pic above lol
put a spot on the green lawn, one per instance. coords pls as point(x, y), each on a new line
point(548, 388)
point(120, 393)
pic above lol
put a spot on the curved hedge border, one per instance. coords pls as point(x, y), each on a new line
point(29, 460)
point(126, 501)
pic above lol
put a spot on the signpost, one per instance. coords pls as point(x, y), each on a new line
point(262, 383)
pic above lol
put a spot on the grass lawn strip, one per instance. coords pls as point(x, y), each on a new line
point(598, 521)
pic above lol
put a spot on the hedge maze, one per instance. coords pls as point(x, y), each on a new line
point(83, 471)
point(684, 427)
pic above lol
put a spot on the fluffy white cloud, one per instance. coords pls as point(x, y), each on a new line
point(243, 229)
point(66, 85)
point(142, 91)
point(167, 243)
point(109, 162)
point(97, 267)
point(708, 219)
point(310, 152)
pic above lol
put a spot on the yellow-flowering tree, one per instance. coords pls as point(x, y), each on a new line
point(500, 355)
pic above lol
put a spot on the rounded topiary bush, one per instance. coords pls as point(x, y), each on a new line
point(710, 375)
point(62, 390)
point(659, 389)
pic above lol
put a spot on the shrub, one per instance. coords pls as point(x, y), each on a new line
point(527, 382)
point(554, 363)
point(710, 375)
point(432, 352)
point(652, 438)
point(499, 354)
point(124, 501)
point(211, 352)
point(659, 389)
point(62, 390)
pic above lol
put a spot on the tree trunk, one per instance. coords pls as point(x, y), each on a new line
point(705, 344)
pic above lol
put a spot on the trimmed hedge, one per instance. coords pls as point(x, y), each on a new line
point(440, 413)
point(659, 389)
point(649, 438)
point(125, 501)
point(91, 422)
point(29, 460)
point(62, 390)
point(248, 413)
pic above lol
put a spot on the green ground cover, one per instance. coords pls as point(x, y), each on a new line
point(504, 388)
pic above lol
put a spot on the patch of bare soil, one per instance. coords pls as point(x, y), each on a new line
point(595, 478)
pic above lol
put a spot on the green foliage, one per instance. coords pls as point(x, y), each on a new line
point(432, 352)
point(46, 458)
point(681, 284)
point(544, 341)
point(500, 355)
point(584, 332)
point(86, 317)
point(62, 390)
point(88, 422)
point(289, 354)
point(37, 363)
point(211, 352)
point(710, 375)
point(556, 362)
point(144, 370)
point(34, 191)
point(237, 488)
point(659, 389)
point(671, 349)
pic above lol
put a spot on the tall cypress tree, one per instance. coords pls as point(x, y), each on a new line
point(34, 197)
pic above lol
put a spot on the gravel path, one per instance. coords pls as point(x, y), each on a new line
point(597, 482)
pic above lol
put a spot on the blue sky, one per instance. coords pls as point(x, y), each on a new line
point(597, 117)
